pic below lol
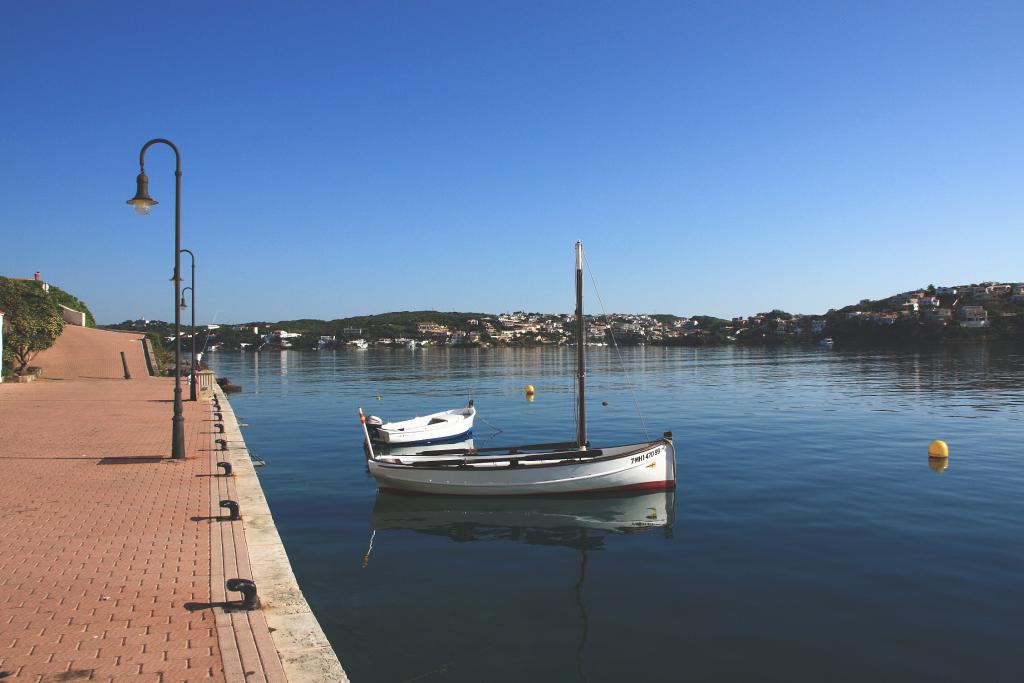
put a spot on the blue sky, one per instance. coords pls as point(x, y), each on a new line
point(350, 158)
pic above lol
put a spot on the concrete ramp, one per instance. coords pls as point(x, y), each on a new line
point(87, 353)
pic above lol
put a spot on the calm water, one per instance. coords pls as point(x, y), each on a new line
point(808, 539)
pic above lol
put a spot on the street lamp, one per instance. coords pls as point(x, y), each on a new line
point(192, 365)
point(142, 203)
point(192, 386)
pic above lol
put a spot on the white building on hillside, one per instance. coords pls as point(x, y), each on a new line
point(973, 316)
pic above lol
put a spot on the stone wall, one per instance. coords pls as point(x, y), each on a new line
point(71, 316)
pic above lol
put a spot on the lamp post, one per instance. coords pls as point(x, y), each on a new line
point(192, 365)
point(142, 203)
point(192, 385)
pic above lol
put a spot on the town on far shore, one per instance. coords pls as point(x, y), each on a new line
point(986, 311)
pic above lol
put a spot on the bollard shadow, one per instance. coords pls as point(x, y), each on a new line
point(213, 475)
point(131, 459)
point(227, 606)
point(215, 518)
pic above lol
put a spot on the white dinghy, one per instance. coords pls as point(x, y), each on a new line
point(540, 469)
point(448, 425)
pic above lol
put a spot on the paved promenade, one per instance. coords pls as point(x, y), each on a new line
point(111, 568)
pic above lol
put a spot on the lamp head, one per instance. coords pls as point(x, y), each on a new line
point(183, 305)
point(142, 202)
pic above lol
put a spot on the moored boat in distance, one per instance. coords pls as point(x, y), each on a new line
point(538, 469)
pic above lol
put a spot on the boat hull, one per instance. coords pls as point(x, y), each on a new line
point(438, 436)
point(639, 467)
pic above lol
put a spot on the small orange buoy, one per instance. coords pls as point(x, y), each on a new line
point(529, 390)
point(938, 449)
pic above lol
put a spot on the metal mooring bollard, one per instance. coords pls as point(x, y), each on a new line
point(248, 590)
point(232, 508)
point(226, 466)
point(219, 427)
point(218, 416)
point(223, 443)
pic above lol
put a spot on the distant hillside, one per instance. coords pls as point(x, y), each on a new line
point(930, 315)
point(397, 324)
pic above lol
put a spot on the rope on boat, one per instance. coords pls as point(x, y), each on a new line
point(615, 345)
point(496, 430)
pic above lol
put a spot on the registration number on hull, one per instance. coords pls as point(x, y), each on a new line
point(646, 456)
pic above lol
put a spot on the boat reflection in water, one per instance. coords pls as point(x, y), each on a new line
point(583, 523)
point(544, 520)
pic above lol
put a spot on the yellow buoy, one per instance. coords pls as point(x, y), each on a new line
point(529, 390)
point(938, 449)
point(377, 397)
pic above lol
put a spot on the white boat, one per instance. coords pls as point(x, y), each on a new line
point(447, 425)
point(826, 343)
point(540, 469)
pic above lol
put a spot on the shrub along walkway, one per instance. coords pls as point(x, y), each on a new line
point(105, 544)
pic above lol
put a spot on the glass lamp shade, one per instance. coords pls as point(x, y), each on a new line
point(141, 207)
point(142, 202)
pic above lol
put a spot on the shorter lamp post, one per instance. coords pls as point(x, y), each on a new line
point(192, 391)
point(192, 329)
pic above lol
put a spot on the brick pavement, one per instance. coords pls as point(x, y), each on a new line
point(104, 573)
point(87, 353)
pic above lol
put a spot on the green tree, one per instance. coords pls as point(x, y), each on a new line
point(34, 319)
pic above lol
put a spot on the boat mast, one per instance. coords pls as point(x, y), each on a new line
point(581, 339)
